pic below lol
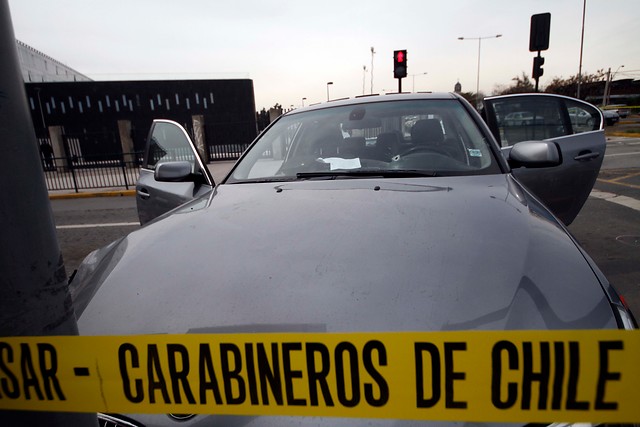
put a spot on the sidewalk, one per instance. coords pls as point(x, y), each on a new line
point(218, 170)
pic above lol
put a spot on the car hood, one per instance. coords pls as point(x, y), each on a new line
point(420, 254)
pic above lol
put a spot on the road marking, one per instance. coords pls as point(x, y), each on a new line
point(613, 181)
point(614, 198)
point(621, 154)
point(113, 224)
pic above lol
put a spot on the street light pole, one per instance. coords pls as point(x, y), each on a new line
point(584, 10)
point(373, 52)
point(479, 47)
point(328, 84)
point(364, 77)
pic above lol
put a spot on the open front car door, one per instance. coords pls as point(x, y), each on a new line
point(172, 172)
point(576, 129)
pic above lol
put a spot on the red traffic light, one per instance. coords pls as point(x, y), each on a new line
point(399, 64)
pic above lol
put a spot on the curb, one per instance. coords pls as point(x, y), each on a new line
point(625, 134)
point(87, 194)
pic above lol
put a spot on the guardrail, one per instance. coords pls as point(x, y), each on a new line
point(119, 170)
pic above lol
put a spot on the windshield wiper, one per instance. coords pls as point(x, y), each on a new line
point(385, 173)
point(261, 180)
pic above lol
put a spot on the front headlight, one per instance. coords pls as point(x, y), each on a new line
point(94, 269)
point(625, 317)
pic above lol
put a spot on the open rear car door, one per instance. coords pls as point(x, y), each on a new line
point(574, 126)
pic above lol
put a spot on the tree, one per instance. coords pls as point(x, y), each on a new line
point(262, 119)
point(591, 85)
point(471, 97)
point(522, 84)
point(264, 116)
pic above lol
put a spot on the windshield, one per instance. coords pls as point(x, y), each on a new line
point(387, 138)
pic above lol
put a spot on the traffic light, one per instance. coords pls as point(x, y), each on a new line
point(539, 36)
point(399, 64)
point(538, 62)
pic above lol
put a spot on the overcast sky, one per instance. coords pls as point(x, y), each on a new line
point(291, 49)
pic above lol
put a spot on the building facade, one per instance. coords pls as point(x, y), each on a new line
point(103, 120)
point(106, 120)
point(39, 67)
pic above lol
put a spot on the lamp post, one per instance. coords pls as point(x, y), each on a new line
point(373, 52)
point(364, 77)
point(584, 10)
point(479, 45)
point(413, 77)
point(328, 84)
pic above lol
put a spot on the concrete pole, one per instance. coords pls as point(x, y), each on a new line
point(59, 152)
point(126, 142)
point(34, 296)
point(199, 137)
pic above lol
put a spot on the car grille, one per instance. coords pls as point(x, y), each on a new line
point(111, 420)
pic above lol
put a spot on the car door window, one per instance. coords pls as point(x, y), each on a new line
point(516, 118)
point(583, 117)
point(528, 118)
point(168, 142)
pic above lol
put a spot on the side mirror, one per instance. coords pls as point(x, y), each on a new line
point(534, 154)
point(178, 171)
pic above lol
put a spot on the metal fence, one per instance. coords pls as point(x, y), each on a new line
point(226, 151)
point(76, 173)
point(79, 172)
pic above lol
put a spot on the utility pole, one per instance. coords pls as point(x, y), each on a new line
point(605, 95)
point(34, 296)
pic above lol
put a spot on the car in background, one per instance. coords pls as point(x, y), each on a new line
point(580, 117)
point(624, 112)
point(381, 213)
point(611, 117)
point(518, 118)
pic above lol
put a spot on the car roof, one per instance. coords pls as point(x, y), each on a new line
point(366, 99)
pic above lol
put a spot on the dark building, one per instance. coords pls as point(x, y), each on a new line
point(99, 120)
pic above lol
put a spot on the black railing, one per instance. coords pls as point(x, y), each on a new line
point(226, 151)
point(77, 173)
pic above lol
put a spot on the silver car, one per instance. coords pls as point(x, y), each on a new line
point(383, 213)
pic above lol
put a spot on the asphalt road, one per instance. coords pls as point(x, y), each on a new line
point(609, 231)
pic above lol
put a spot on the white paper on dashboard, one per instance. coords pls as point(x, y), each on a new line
point(340, 163)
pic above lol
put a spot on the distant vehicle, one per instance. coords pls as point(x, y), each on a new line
point(430, 227)
point(518, 118)
point(611, 117)
point(622, 110)
point(580, 117)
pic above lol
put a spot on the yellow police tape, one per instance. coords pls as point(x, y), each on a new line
point(513, 376)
